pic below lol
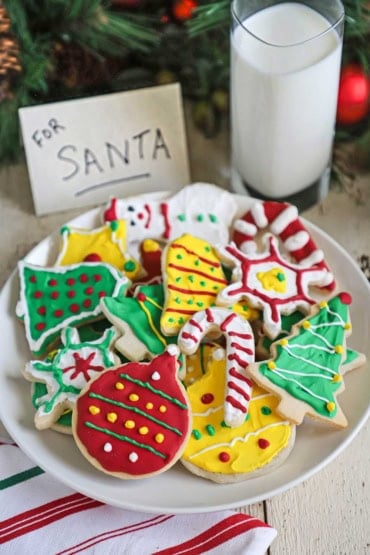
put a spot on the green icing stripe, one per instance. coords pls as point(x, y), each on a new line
point(20, 477)
point(136, 411)
point(154, 390)
point(125, 438)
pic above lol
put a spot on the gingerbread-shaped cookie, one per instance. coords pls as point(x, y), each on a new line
point(133, 421)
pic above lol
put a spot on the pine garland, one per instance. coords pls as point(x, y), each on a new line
point(75, 48)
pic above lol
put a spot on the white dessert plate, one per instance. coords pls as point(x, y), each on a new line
point(177, 490)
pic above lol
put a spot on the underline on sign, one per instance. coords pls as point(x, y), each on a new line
point(112, 182)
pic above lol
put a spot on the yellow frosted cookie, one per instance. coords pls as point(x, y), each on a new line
point(192, 277)
point(224, 454)
point(103, 244)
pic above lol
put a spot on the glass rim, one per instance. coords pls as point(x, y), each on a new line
point(289, 45)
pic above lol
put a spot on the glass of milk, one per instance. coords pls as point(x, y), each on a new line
point(285, 65)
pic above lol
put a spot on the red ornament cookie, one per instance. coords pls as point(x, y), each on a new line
point(134, 421)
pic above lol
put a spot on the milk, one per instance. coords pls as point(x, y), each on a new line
point(283, 98)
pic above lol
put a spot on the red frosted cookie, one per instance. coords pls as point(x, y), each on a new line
point(134, 421)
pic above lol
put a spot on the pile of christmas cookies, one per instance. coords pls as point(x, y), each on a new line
point(182, 330)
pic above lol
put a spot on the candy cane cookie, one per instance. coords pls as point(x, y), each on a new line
point(283, 220)
point(240, 353)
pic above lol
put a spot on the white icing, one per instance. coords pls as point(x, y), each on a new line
point(173, 350)
point(286, 217)
point(245, 227)
point(133, 457)
point(108, 447)
point(156, 376)
point(297, 241)
point(258, 213)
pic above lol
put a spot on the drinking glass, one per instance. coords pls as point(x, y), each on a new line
point(285, 67)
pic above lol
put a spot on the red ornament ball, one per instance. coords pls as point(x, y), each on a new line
point(353, 95)
point(183, 9)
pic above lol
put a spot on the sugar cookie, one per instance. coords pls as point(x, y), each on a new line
point(226, 455)
point(52, 298)
point(133, 421)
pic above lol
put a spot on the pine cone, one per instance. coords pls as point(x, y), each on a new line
point(10, 66)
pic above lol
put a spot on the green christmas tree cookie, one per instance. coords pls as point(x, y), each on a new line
point(305, 371)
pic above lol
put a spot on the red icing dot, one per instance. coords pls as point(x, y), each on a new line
point(54, 295)
point(141, 297)
point(207, 398)
point(92, 257)
point(84, 278)
point(224, 457)
point(87, 303)
point(263, 443)
point(140, 215)
point(74, 307)
point(102, 294)
point(41, 310)
point(58, 313)
point(37, 294)
point(89, 290)
point(33, 279)
point(345, 298)
point(70, 281)
point(71, 293)
point(52, 282)
point(40, 326)
point(97, 277)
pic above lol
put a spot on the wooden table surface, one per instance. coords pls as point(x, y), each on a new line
point(330, 512)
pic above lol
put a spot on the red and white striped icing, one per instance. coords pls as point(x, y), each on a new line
point(239, 354)
point(283, 220)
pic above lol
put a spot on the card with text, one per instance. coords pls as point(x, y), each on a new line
point(81, 152)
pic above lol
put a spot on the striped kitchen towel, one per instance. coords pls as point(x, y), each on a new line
point(41, 515)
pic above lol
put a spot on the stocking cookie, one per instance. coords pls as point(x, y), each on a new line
point(67, 372)
point(239, 354)
point(226, 455)
point(134, 421)
point(304, 371)
point(283, 221)
point(54, 298)
point(193, 276)
point(270, 283)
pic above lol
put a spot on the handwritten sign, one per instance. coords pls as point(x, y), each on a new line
point(81, 152)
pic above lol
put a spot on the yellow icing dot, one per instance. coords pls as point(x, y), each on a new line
point(143, 430)
point(159, 438)
point(149, 245)
point(323, 304)
point(271, 365)
point(162, 408)
point(133, 397)
point(94, 410)
point(339, 349)
point(129, 424)
point(119, 386)
point(347, 326)
point(283, 342)
point(306, 325)
point(149, 405)
point(337, 378)
point(273, 280)
point(330, 406)
point(112, 417)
